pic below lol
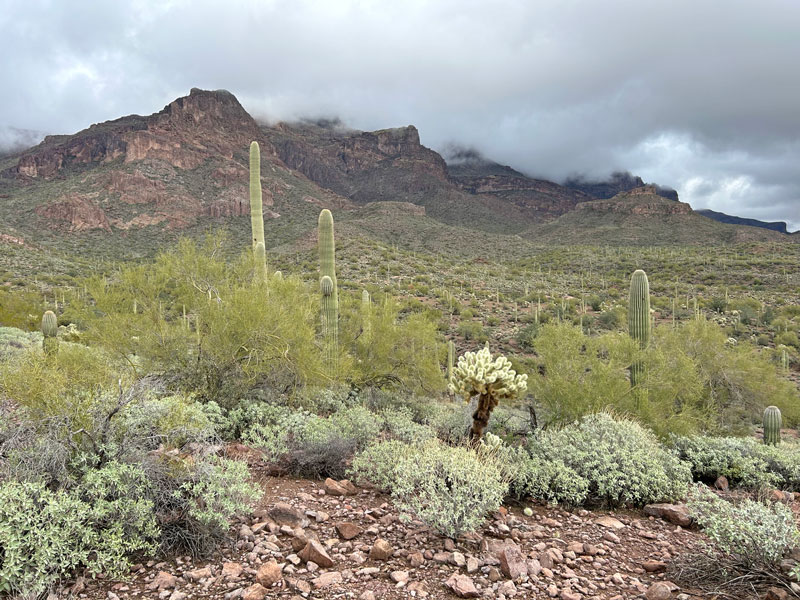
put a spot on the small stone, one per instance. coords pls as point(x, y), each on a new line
point(721, 483)
point(512, 562)
point(568, 594)
point(609, 522)
point(399, 576)
point(660, 590)
point(340, 488)
point(348, 530)
point(163, 581)
point(776, 593)
point(677, 514)
point(285, 514)
point(269, 573)
point(472, 564)
point(315, 552)
point(508, 589)
point(255, 592)
point(231, 570)
point(368, 595)
point(381, 550)
point(176, 595)
point(462, 586)
point(458, 559)
point(654, 566)
point(326, 579)
point(416, 559)
point(198, 574)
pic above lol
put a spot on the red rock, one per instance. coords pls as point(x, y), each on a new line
point(269, 573)
point(348, 530)
point(610, 522)
point(231, 570)
point(512, 562)
point(381, 550)
point(676, 514)
point(255, 592)
point(462, 586)
point(286, 514)
point(315, 552)
point(326, 579)
point(340, 488)
point(660, 590)
point(163, 581)
point(654, 566)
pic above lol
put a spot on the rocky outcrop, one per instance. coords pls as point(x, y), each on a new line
point(75, 213)
point(617, 183)
point(640, 201)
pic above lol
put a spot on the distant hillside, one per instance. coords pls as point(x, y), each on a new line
point(779, 226)
point(616, 183)
point(641, 217)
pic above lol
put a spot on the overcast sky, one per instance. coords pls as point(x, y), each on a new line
point(702, 96)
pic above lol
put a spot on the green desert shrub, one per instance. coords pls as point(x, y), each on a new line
point(451, 489)
point(622, 463)
point(747, 535)
point(745, 462)
point(377, 463)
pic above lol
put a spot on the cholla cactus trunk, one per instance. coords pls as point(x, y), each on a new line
point(639, 319)
point(50, 333)
point(772, 425)
point(366, 315)
point(330, 302)
point(477, 373)
point(257, 215)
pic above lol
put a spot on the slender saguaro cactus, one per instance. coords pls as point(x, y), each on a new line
point(257, 215)
point(330, 300)
point(366, 315)
point(639, 319)
point(772, 425)
point(50, 333)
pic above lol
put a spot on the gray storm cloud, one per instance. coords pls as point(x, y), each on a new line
point(700, 96)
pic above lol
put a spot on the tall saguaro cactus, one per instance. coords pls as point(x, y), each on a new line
point(639, 319)
point(257, 215)
point(50, 333)
point(451, 357)
point(772, 425)
point(330, 300)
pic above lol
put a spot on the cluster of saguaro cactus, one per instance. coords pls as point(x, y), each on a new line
point(328, 288)
point(50, 333)
point(639, 319)
point(492, 380)
point(772, 425)
point(257, 216)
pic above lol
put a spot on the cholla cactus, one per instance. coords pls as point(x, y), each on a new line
point(50, 333)
point(772, 425)
point(491, 379)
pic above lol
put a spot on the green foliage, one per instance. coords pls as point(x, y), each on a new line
point(20, 308)
point(743, 461)
point(231, 340)
point(450, 489)
point(72, 384)
point(622, 463)
point(377, 464)
point(749, 534)
point(472, 331)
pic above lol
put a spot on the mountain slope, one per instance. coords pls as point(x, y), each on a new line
point(642, 217)
point(779, 226)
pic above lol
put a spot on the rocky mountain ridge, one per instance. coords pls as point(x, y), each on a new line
point(145, 179)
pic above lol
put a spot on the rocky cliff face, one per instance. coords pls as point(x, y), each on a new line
point(617, 183)
point(170, 169)
point(779, 226)
point(644, 200)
